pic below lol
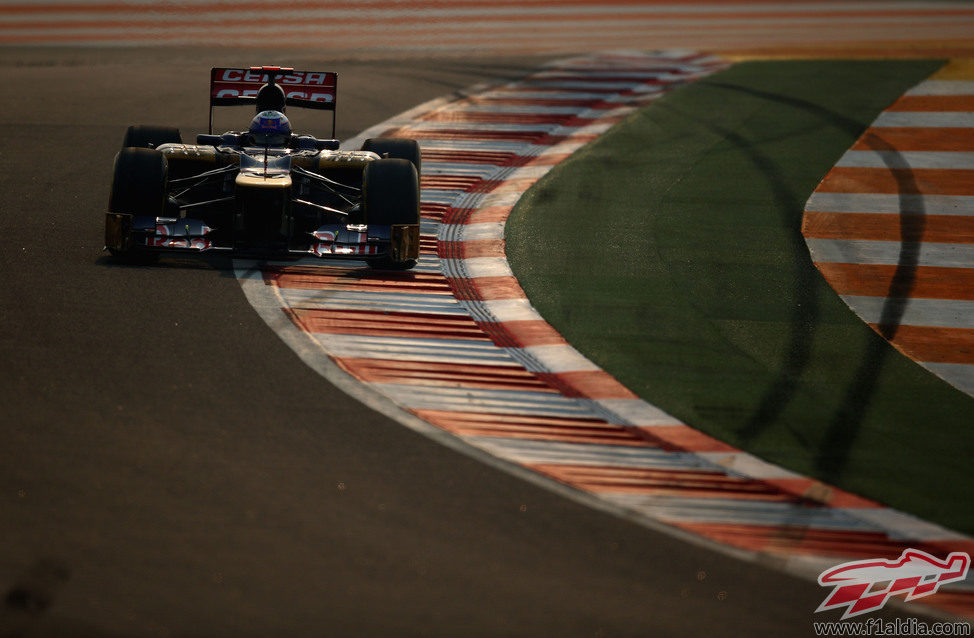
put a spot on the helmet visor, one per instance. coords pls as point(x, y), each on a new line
point(269, 139)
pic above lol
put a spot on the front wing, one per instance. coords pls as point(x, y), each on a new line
point(126, 234)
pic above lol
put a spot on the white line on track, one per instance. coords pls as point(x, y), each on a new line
point(924, 119)
point(943, 87)
point(854, 251)
point(908, 159)
point(916, 311)
point(893, 204)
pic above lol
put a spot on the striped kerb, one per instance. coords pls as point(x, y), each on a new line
point(456, 343)
point(891, 227)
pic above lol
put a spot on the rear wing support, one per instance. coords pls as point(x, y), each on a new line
point(302, 89)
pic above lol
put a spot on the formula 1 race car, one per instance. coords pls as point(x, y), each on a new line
point(266, 192)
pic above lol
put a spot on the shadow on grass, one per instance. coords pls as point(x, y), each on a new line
point(852, 408)
point(844, 426)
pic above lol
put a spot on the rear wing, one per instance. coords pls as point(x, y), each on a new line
point(302, 89)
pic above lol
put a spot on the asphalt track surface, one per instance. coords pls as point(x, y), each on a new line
point(169, 467)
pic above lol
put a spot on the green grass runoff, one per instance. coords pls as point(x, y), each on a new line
point(670, 253)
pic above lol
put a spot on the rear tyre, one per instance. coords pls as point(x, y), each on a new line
point(139, 188)
point(144, 136)
point(391, 198)
point(395, 148)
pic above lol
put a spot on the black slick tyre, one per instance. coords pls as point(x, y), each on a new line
point(395, 148)
point(139, 187)
point(391, 198)
point(146, 136)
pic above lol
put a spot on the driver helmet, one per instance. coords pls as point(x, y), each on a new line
point(270, 128)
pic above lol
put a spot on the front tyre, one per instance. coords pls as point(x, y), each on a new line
point(391, 198)
point(139, 188)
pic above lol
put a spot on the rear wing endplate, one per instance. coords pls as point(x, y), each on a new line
point(302, 89)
